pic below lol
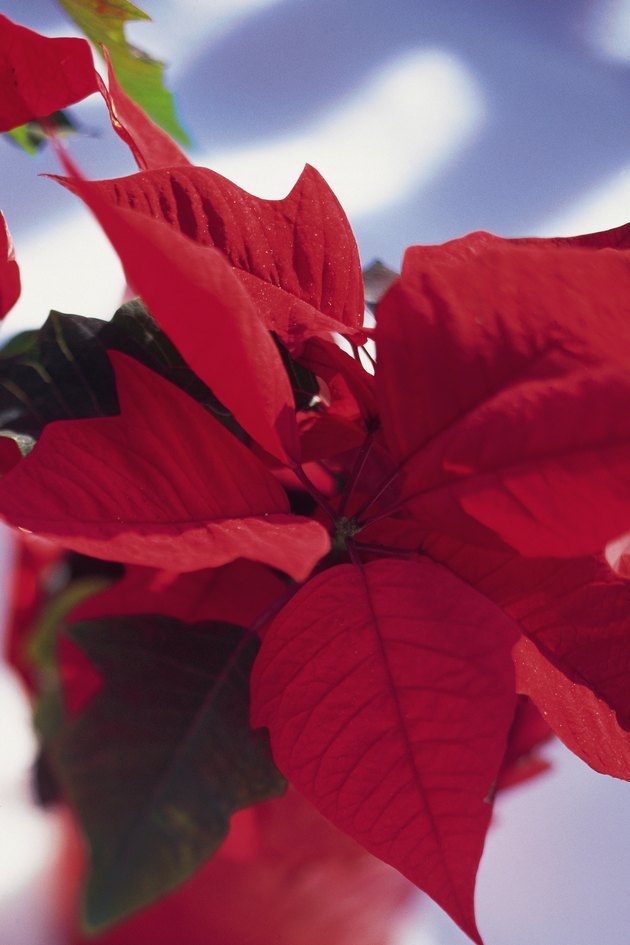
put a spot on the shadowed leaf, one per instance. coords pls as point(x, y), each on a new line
point(162, 756)
point(62, 371)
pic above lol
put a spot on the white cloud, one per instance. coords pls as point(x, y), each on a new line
point(387, 138)
point(69, 266)
point(604, 206)
point(184, 28)
point(606, 29)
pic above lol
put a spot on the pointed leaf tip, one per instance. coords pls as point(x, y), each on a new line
point(195, 296)
point(388, 692)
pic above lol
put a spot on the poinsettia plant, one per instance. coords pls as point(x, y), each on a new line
point(280, 545)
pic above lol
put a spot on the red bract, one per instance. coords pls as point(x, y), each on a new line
point(389, 692)
point(39, 75)
point(220, 335)
point(183, 494)
point(150, 146)
point(454, 509)
point(9, 272)
point(503, 375)
point(33, 567)
point(300, 286)
point(211, 594)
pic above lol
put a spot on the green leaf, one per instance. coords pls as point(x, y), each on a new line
point(162, 756)
point(41, 653)
point(21, 136)
point(20, 344)
point(103, 21)
point(32, 137)
point(62, 372)
point(42, 645)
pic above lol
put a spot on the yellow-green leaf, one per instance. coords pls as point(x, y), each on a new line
point(32, 136)
point(103, 21)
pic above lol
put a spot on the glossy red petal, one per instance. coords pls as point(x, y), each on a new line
point(39, 75)
point(193, 293)
point(9, 271)
point(297, 257)
point(164, 484)
point(389, 692)
point(575, 665)
point(150, 145)
point(504, 377)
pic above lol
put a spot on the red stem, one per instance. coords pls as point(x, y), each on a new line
point(357, 469)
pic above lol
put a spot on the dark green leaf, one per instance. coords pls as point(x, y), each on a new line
point(32, 136)
point(25, 341)
point(103, 21)
point(133, 323)
point(41, 653)
point(42, 644)
point(162, 756)
point(63, 372)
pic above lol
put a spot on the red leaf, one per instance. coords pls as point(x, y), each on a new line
point(351, 387)
point(149, 144)
point(10, 454)
point(32, 575)
point(389, 692)
point(38, 75)
point(585, 723)
point(529, 731)
point(163, 485)
point(575, 666)
point(296, 257)
point(215, 594)
point(9, 272)
point(616, 238)
point(504, 379)
point(196, 298)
